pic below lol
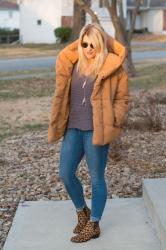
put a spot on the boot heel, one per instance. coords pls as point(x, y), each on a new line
point(96, 236)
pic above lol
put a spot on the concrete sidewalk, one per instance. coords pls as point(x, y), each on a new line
point(48, 225)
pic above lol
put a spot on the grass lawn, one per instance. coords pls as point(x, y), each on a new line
point(29, 50)
point(26, 88)
point(26, 72)
point(149, 37)
point(146, 48)
point(148, 77)
point(25, 103)
point(8, 131)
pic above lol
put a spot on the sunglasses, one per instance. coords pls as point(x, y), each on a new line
point(85, 45)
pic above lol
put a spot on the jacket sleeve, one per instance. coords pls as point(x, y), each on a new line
point(63, 66)
point(58, 92)
point(61, 71)
point(116, 47)
point(121, 100)
point(52, 131)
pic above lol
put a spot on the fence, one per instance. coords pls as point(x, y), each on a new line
point(8, 39)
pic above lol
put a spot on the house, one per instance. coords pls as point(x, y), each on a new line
point(39, 18)
point(151, 16)
point(9, 15)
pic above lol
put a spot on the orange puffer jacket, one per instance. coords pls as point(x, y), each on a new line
point(109, 97)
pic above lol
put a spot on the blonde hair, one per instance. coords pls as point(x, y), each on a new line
point(97, 36)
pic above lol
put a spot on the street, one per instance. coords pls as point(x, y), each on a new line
point(48, 62)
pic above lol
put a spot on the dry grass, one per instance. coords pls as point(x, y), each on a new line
point(149, 37)
point(146, 48)
point(23, 114)
point(29, 50)
point(149, 62)
point(25, 103)
point(147, 112)
point(149, 77)
point(26, 88)
point(27, 72)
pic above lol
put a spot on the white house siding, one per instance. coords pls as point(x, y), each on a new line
point(155, 21)
point(9, 19)
point(49, 12)
point(152, 20)
point(67, 7)
point(140, 22)
point(144, 19)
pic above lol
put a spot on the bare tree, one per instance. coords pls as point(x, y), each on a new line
point(121, 32)
point(79, 17)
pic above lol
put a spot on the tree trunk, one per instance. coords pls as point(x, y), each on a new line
point(129, 65)
point(122, 35)
point(86, 7)
point(134, 15)
point(78, 20)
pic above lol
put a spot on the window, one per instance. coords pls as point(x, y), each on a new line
point(39, 22)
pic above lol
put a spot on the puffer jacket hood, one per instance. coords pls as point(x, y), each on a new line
point(114, 59)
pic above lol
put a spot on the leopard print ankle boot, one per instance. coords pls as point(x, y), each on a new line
point(91, 230)
point(83, 217)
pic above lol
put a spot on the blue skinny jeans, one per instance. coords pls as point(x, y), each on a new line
point(75, 144)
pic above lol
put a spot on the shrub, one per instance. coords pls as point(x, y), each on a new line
point(63, 34)
point(145, 112)
point(4, 31)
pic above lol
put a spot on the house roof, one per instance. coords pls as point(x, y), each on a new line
point(148, 4)
point(6, 5)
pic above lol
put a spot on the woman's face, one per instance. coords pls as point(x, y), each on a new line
point(88, 49)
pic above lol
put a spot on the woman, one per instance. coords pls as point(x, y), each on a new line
point(88, 109)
